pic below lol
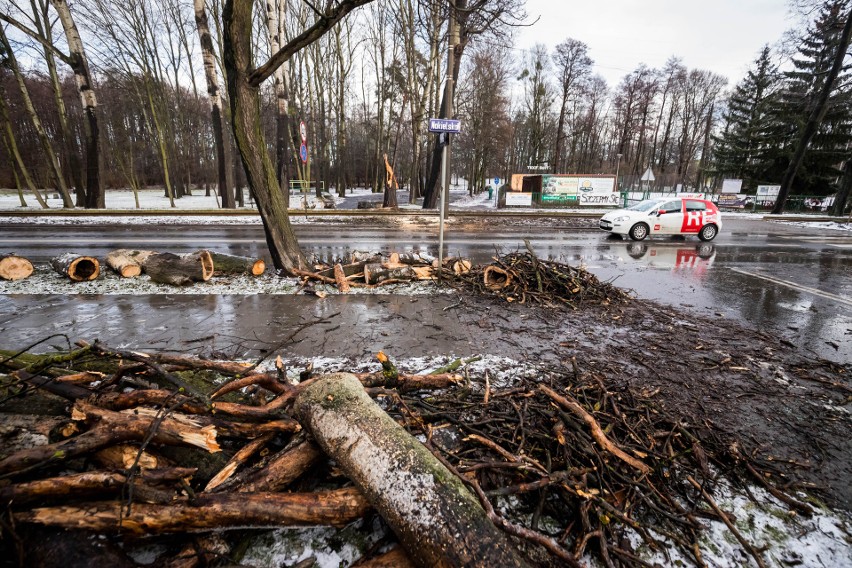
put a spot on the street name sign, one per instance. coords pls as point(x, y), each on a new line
point(444, 125)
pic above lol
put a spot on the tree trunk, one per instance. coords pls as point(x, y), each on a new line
point(376, 273)
point(839, 205)
point(15, 153)
point(77, 268)
point(14, 267)
point(248, 132)
point(215, 103)
point(179, 270)
point(432, 513)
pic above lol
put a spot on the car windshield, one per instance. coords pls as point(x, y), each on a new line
point(645, 205)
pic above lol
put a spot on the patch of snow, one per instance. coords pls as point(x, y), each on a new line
point(829, 225)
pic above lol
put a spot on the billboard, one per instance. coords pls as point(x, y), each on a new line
point(515, 199)
point(732, 185)
point(582, 190)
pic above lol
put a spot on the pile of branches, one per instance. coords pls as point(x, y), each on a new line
point(142, 453)
point(523, 277)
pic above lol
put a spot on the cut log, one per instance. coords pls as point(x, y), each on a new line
point(13, 267)
point(77, 268)
point(376, 273)
point(124, 264)
point(353, 269)
point(435, 517)
point(496, 278)
point(179, 270)
point(208, 511)
point(231, 264)
point(340, 278)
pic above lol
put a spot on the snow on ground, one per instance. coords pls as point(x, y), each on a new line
point(44, 280)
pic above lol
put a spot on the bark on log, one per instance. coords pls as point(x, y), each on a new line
point(435, 517)
point(207, 512)
point(124, 264)
point(376, 273)
point(13, 267)
point(90, 483)
point(349, 270)
point(231, 264)
point(179, 270)
point(283, 469)
point(77, 268)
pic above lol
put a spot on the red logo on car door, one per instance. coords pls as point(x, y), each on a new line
point(692, 222)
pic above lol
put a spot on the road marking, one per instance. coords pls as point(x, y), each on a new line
point(793, 285)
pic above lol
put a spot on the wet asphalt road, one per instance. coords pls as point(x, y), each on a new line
point(794, 281)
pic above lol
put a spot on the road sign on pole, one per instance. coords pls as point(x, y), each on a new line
point(497, 181)
point(444, 125)
point(303, 131)
point(303, 153)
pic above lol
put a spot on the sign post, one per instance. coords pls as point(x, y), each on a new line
point(443, 127)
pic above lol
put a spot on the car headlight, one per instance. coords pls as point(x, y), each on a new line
point(620, 219)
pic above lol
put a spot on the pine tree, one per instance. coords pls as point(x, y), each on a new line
point(740, 147)
point(794, 103)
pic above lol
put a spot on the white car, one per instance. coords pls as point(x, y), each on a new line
point(666, 216)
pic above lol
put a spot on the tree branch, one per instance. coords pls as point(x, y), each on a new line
point(312, 34)
point(36, 36)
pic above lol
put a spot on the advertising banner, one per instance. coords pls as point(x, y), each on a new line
point(732, 185)
point(582, 190)
point(514, 199)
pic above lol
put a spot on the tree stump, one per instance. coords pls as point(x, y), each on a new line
point(13, 267)
point(436, 518)
point(77, 268)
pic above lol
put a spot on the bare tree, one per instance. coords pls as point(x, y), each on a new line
point(573, 65)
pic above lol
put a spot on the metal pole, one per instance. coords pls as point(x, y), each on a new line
point(441, 211)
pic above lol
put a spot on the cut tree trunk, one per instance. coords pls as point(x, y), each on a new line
point(231, 264)
point(179, 270)
point(435, 517)
point(207, 512)
point(77, 268)
point(14, 267)
point(377, 273)
point(124, 264)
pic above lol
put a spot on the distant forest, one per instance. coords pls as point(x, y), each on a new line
point(105, 94)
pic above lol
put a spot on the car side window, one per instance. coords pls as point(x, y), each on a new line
point(671, 207)
point(695, 206)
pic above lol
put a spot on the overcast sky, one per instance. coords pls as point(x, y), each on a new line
point(723, 36)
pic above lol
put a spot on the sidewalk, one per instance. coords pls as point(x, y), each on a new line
point(355, 326)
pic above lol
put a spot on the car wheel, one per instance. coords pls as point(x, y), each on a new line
point(639, 231)
point(708, 233)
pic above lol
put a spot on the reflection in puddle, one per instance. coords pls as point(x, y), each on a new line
point(693, 260)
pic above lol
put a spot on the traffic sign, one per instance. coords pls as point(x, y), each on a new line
point(497, 181)
point(303, 131)
point(444, 125)
point(303, 153)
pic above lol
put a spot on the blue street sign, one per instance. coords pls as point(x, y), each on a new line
point(496, 181)
point(303, 153)
point(444, 125)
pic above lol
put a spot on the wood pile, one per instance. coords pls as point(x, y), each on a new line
point(371, 271)
point(157, 444)
point(166, 268)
